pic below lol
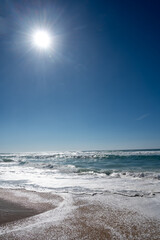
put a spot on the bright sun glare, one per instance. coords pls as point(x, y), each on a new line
point(42, 39)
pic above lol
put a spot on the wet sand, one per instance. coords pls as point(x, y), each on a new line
point(11, 212)
point(73, 217)
point(20, 204)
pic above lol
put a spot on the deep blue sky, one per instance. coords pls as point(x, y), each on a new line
point(98, 89)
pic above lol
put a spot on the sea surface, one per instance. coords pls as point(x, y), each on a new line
point(130, 173)
point(113, 191)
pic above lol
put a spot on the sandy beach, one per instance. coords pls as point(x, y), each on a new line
point(32, 215)
point(15, 204)
point(79, 120)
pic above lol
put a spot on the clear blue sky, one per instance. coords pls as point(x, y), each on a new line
point(98, 89)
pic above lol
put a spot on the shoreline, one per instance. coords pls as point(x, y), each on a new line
point(10, 212)
point(39, 215)
point(20, 204)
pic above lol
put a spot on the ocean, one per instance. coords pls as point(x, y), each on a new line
point(127, 172)
point(80, 195)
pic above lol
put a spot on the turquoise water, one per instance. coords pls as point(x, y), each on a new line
point(134, 170)
point(97, 161)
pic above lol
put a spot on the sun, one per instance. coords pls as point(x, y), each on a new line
point(41, 39)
